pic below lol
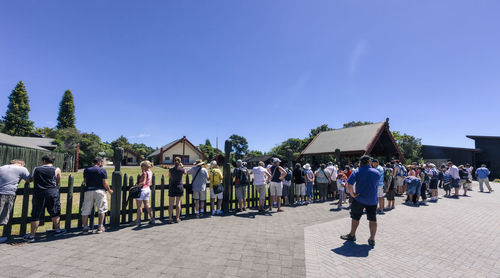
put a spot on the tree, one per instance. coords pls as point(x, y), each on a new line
point(66, 118)
point(142, 149)
point(255, 153)
point(239, 146)
point(316, 131)
point(43, 131)
point(410, 146)
point(16, 119)
point(293, 144)
point(209, 151)
point(121, 142)
point(358, 123)
point(90, 147)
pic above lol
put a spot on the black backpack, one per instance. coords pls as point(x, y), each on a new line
point(288, 176)
point(244, 175)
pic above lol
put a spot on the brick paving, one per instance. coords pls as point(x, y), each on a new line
point(450, 239)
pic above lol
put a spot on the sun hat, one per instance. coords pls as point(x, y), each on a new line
point(198, 162)
point(213, 164)
point(307, 166)
point(276, 160)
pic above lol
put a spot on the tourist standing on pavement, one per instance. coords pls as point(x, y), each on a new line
point(300, 184)
point(470, 170)
point(322, 177)
point(425, 179)
point(215, 178)
point(434, 177)
point(399, 174)
point(241, 180)
point(96, 185)
point(341, 186)
point(10, 177)
point(380, 186)
point(464, 177)
point(366, 180)
point(308, 173)
point(260, 179)
point(482, 174)
point(199, 183)
point(287, 184)
point(332, 187)
point(144, 184)
point(455, 178)
point(390, 192)
point(414, 188)
point(46, 181)
point(276, 186)
point(175, 189)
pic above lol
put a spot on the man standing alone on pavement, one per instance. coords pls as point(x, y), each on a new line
point(365, 196)
point(10, 177)
point(482, 177)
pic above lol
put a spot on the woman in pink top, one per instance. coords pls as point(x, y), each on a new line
point(144, 184)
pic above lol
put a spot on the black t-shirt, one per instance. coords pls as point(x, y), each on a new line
point(44, 178)
point(93, 178)
point(298, 176)
point(176, 178)
point(464, 174)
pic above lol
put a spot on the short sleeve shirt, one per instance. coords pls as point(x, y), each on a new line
point(380, 169)
point(259, 175)
point(322, 176)
point(10, 177)
point(93, 178)
point(200, 183)
point(366, 181)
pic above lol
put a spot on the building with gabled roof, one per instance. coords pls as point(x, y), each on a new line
point(182, 148)
point(373, 139)
point(37, 143)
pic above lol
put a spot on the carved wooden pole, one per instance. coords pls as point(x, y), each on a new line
point(116, 184)
point(227, 177)
point(291, 193)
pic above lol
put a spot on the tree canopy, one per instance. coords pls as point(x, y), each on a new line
point(358, 123)
point(16, 119)
point(66, 117)
point(210, 152)
point(239, 146)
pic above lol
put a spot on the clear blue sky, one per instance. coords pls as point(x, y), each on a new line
point(267, 70)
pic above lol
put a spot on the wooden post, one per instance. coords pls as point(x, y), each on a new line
point(187, 205)
point(227, 177)
point(130, 201)
point(77, 157)
point(162, 196)
point(116, 183)
point(124, 198)
point(24, 211)
point(82, 195)
point(69, 203)
point(291, 192)
point(153, 195)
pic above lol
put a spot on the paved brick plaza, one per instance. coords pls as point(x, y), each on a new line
point(454, 238)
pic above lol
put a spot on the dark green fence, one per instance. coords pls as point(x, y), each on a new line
point(33, 157)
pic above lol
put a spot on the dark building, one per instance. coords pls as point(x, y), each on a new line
point(440, 154)
point(489, 153)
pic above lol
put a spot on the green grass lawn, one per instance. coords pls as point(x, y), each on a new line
point(78, 179)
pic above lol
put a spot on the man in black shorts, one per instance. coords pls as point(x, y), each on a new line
point(366, 180)
point(46, 179)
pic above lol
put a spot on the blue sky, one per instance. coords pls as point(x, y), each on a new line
point(267, 70)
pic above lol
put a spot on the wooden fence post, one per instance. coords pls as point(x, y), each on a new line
point(116, 183)
point(153, 195)
point(162, 196)
point(187, 198)
point(124, 198)
point(69, 203)
point(291, 192)
point(226, 205)
point(82, 187)
point(130, 201)
point(24, 212)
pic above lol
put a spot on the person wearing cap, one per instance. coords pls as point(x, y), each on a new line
point(399, 174)
point(309, 175)
point(199, 183)
point(241, 180)
point(260, 180)
point(380, 187)
point(455, 178)
point(362, 186)
point(277, 175)
point(300, 184)
point(482, 174)
point(434, 177)
point(322, 177)
point(215, 179)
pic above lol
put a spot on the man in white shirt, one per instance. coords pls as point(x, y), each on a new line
point(333, 179)
point(260, 180)
point(469, 169)
point(455, 177)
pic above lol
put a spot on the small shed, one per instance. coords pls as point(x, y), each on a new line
point(373, 139)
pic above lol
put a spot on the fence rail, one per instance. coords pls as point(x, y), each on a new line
point(127, 211)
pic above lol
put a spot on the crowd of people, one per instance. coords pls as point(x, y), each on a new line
point(360, 186)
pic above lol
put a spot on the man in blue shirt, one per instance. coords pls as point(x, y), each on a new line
point(380, 188)
point(365, 197)
point(482, 177)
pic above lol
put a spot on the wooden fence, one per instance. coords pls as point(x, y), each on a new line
point(33, 157)
point(72, 220)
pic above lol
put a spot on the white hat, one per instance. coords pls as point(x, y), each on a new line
point(307, 166)
point(276, 160)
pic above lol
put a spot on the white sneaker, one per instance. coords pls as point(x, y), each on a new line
point(3, 239)
point(214, 212)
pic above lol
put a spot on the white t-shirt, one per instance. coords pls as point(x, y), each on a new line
point(470, 169)
point(333, 171)
point(259, 175)
point(453, 171)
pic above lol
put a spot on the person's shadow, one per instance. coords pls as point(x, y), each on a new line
point(351, 249)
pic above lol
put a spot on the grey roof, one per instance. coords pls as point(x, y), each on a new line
point(167, 146)
point(27, 142)
point(257, 158)
point(350, 139)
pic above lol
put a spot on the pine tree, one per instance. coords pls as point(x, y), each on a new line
point(16, 119)
point(66, 118)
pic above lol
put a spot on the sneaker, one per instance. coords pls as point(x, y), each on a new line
point(101, 230)
point(27, 238)
point(3, 239)
point(85, 230)
point(214, 212)
point(348, 237)
point(197, 215)
point(152, 221)
point(371, 242)
point(238, 210)
point(60, 232)
point(219, 212)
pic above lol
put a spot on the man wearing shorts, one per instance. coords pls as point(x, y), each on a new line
point(96, 185)
point(366, 180)
point(300, 184)
point(277, 175)
point(455, 178)
point(215, 178)
point(380, 188)
point(200, 176)
point(260, 178)
point(398, 176)
point(433, 185)
point(241, 181)
point(46, 180)
point(414, 188)
point(10, 176)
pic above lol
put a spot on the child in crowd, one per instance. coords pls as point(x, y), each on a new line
point(447, 183)
point(341, 184)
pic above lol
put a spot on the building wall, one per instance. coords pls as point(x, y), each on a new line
point(457, 155)
point(489, 154)
point(129, 159)
point(168, 156)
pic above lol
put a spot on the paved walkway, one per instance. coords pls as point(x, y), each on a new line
point(450, 239)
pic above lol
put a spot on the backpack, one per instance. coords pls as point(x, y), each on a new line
point(435, 174)
point(244, 175)
point(288, 176)
point(402, 171)
point(387, 175)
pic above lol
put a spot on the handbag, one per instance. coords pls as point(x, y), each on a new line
point(135, 192)
point(218, 189)
point(189, 187)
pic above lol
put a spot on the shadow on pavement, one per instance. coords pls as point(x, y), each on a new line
point(351, 249)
